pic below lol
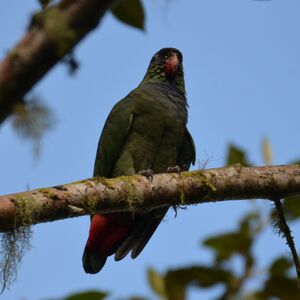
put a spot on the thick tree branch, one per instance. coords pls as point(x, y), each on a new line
point(140, 193)
point(51, 34)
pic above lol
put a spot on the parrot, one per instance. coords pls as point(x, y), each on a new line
point(146, 130)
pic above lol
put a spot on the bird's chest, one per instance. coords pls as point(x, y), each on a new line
point(160, 118)
point(155, 135)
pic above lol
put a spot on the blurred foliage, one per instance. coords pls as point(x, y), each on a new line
point(31, 119)
point(89, 295)
point(267, 151)
point(177, 281)
point(236, 155)
point(276, 283)
point(157, 283)
point(279, 285)
point(238, 242)
point(130, 12)
point(45, 3)
point(291, 206)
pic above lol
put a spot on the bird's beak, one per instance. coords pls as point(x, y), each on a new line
point(171, 66)
point(172, 62)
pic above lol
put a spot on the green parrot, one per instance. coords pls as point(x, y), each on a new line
point(144, 131)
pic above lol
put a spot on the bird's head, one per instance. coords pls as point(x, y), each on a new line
point(166, 66)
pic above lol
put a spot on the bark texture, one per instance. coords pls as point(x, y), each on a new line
point(52, 33)
point(133, 193)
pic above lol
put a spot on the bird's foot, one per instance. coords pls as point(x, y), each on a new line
point(147, 173)
point(175, 169)
point(175, 208)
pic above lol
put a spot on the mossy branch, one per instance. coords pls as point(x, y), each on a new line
point(134, 193)
point(52, 33)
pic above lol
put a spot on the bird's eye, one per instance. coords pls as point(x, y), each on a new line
point(166, 56)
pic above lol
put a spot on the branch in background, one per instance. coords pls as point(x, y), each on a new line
point(133, 193)
point(52, 33)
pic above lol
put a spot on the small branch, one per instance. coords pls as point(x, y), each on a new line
point(52, 33)
point(286, 231)
point(134, 193)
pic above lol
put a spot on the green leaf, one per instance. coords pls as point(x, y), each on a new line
point(279, 287)
point(157, 282)
point(237, 242)
point(90, 295)
point(236, 156)
point(280, 266)
point(292, 207)
point(295, 162)
point(177, 281)
point(250, 223)
point(45, 3)
point(130, 12)
point(267, 151)
point(228, 244)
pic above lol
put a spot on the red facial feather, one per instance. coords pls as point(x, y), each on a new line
point(171, 65)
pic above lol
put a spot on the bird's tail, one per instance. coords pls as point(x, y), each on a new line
point(107, 232)
point(92, 262)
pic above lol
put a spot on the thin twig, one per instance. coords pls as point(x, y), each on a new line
point(286, 231)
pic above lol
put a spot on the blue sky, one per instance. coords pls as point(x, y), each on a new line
point(242, 72)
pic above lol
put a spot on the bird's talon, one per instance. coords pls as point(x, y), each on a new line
point(175, 169)
point(147, 173)
point(175, 210)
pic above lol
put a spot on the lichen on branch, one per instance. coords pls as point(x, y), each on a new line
point(139, 193)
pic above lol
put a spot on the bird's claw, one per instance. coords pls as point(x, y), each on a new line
point(175, 210)
point(147, 173)
point(175, 169)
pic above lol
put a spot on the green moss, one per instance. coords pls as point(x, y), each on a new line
point(37, 19)
point(203, 179)
point(80, 181)
point(57, 29)
point(89, 204)
point(26, 210)
point(129, 194)
point(238, 167)
point(14, 54)
point(15, 63)
point(181, 193)
point(47, 193)
point(106, 182)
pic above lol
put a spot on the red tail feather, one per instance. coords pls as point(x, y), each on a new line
point(107, 232)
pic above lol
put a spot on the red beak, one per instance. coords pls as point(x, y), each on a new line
point(171, 64)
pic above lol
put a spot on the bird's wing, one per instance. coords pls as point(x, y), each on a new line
point(113, 137)
point(187, 152)
point(146, 224)
point(142, 230)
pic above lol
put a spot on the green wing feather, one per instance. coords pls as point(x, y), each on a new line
point(187, 153)
point(145, 225)
point(113, 137)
